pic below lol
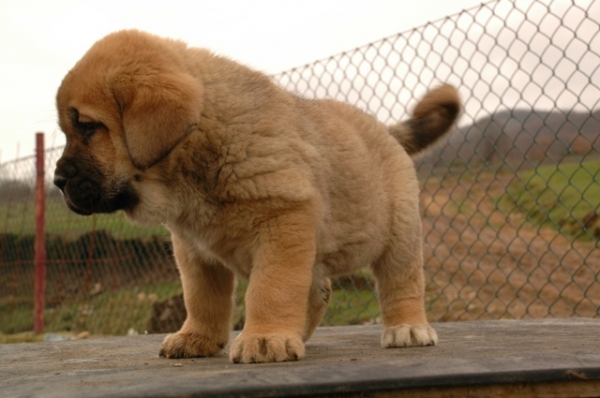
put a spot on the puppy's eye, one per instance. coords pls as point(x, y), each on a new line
point(84, 125)
point(89, 128)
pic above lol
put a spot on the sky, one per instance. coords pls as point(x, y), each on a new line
point(41, 40)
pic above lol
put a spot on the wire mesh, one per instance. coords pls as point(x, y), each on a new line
point(510, 200)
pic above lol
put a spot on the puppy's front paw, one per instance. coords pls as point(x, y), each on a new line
point(258, 348)
point(408, 336)
point(190, 345)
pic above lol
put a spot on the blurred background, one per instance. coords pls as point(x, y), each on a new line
point(510, 200)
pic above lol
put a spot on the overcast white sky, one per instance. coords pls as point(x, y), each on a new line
point(41, 40)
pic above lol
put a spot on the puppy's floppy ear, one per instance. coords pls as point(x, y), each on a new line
point(158, 110)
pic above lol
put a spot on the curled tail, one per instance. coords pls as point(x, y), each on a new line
point(432, 118)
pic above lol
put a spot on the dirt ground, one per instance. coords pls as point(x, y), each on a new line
point(484, 264)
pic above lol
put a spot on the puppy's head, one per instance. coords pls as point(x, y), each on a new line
point(123, 108)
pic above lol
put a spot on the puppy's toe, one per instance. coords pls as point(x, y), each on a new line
point(408, 336)
point(190, 345)
point(258, 348)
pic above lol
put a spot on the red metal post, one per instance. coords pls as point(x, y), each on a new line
point(40, 237)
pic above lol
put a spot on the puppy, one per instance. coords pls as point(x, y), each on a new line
point(251, 181)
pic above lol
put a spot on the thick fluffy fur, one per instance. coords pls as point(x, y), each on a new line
point(251, 181)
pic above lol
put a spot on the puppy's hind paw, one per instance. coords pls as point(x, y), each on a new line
point(408, 336)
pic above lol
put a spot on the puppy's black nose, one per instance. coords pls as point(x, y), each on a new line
point(60, 181)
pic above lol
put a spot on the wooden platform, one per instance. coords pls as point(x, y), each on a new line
point(554, 357)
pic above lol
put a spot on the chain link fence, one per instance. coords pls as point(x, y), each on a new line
point(510, 200)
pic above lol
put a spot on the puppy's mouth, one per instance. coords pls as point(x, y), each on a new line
point(85, 196)
point(74, 208)
point(85, 201)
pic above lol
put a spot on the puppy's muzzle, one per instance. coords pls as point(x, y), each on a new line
point(86, 191)
point(81, 194)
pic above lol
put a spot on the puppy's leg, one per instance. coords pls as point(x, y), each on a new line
point(400, 282)
point(320, 293)
point(277, 295)
point(208, 295)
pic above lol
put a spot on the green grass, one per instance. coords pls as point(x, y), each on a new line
point(565, 197)
point(115, 312)
point(109, 313)
point(348, 306)
point(19, 218)
point(351, 307)
point(16, 315)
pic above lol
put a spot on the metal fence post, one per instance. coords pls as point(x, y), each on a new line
point(40, 237)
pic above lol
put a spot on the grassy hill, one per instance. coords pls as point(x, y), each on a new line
point(565, 197)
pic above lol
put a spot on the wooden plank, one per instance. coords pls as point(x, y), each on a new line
point(559, 356)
